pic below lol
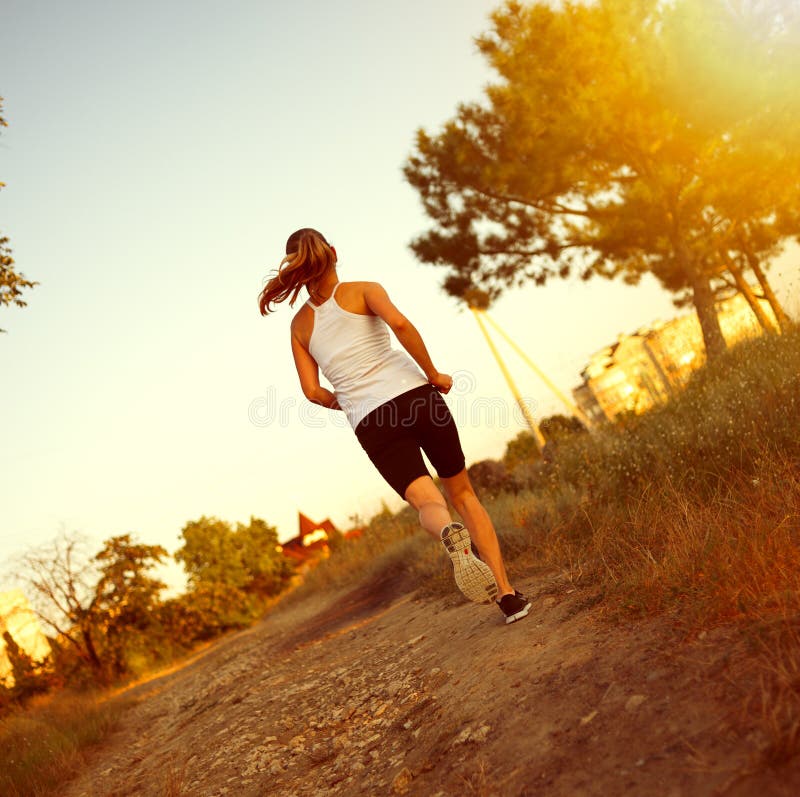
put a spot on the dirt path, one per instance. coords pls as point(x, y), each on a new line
point(376, 692)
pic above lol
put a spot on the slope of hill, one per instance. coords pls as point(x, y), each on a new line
point(376, 691)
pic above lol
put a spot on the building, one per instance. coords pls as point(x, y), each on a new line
point(18, 619)
point(312, 541)
point(646, 368)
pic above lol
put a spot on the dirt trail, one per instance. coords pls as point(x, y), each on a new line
point(377, 692)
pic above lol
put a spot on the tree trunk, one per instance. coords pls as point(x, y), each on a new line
point(784, 322)
point(703, 300)
point(747, 292)
point(702, 295)
point(91, 651)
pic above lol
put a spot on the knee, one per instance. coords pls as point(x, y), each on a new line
point(419, 498)
point(431, 502)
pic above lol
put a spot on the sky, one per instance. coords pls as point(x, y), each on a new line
point(157, 157)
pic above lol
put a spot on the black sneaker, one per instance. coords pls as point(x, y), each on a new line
point(514, 607)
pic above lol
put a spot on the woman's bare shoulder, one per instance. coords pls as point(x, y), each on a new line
point(364, 285)
point(352, 296)
point(302, 319)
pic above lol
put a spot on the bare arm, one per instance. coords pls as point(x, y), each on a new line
point(308, 371)
point(379, 302)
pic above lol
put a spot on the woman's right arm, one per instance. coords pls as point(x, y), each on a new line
point(379, 302)
point(308, 372)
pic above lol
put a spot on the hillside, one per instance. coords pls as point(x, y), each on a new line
point(377, 691)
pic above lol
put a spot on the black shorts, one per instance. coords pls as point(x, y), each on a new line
point(393, 434)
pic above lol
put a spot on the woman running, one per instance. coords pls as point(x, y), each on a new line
point(394, 407)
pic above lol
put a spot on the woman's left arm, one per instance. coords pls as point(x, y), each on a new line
point(308, 371)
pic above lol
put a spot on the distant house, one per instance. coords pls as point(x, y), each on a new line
point(18, 619)
point(313, 540)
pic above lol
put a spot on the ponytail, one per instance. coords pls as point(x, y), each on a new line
point(308, 258)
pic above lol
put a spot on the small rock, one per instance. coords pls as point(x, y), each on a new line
point(438, 677)
point(634, 701)
point(549, 602)
point(393, 688)
point(589, 717)
point(463, 737)
point(321, 752)
point(402, 781)
point(481, 734)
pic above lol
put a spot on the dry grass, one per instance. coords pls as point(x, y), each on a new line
point(175, 781)
point(693, 509)
point(43, 746)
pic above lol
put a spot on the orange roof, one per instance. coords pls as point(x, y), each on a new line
point(307, 525)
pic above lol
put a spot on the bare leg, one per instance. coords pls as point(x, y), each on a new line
point(462, 496)
point(426, 498)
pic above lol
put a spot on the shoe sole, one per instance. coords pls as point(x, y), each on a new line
point(512, 618)
point(473, 577)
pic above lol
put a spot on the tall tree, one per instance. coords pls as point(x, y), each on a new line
point(59, 578)
point(12, 283)
point(245, 558)
point(126, 597)
point(93, 603)
point(586, 156)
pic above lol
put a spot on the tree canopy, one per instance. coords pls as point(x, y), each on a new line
point(615, 142)
point(245, 558)
point(98, 605)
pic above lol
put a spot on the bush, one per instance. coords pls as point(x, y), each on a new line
point(43, 746)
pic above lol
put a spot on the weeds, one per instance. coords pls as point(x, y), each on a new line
point(43, 745)
point(693, 508)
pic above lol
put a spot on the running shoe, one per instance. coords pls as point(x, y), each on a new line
point(473, 577)
point(514, 607)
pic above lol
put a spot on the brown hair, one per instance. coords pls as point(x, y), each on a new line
point(308, 258)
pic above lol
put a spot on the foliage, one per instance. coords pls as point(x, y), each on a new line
point(594, 152)
point(44, 745)
point(246, 558)
point(521, 449)
point(489, 477)
point(97, 606)
point(561, 427)
point(208, 610)
point(231, 573)
point(12, 283)
point(125, 598)
point(30, 677)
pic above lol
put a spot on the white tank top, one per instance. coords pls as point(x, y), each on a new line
point(354, 353)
